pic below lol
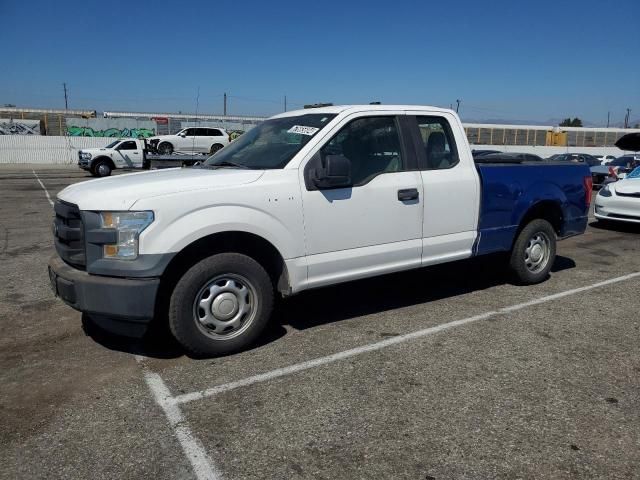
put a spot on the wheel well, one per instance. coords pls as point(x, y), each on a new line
point(248, 244)
point(547, 210)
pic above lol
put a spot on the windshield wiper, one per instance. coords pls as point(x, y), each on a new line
point(227, 163)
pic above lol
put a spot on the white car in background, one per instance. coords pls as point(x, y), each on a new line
point(605, 159)
point(620, 201)
point(191, 140)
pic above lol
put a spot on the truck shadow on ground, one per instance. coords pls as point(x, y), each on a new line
point(345, 301)
point(390, 292)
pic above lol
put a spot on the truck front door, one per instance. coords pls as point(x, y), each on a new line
point(130, 155)
point(375, 225)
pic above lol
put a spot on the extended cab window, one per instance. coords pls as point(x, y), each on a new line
point(371, 144)
point(437, 139)
point(127, 146)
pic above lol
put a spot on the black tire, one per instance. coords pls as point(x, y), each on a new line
point(165, 148)
point(215, 147)
point(198, 282)
point(523, 261)
point(102, 168)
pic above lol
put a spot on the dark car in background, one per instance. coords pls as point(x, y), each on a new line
point(482, 153)
point(507, 157)
point(577, 158)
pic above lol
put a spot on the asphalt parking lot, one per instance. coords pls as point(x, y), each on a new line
point(446, 372)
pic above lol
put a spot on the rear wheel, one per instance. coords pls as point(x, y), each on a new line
point(221, 305)
point(165, 148)
point(534, 252)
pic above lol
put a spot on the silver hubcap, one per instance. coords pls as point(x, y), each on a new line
point(225, 306)
point(103, 169)
point(537, 253)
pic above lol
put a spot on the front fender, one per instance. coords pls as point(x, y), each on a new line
point(174, 235)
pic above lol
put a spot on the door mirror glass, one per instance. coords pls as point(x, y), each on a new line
point(182, 134)
point(334, 173)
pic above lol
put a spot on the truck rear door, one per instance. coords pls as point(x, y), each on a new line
point(451, 187)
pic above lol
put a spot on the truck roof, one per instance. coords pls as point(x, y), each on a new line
point(335, 109)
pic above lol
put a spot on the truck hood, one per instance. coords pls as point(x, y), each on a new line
point(122, 191)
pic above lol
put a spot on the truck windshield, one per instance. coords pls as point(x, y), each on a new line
point(272, 144)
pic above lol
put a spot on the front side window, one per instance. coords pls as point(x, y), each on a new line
point(438, 142)
point(127, 146)
point(189, 132)
point(371, 144)
point(272, 144)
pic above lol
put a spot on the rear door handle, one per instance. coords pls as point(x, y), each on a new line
point(408, 194)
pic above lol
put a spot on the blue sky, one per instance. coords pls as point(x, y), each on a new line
point(504, 59)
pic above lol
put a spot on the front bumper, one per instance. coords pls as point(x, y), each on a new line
point(617, 208)
point(124, 306)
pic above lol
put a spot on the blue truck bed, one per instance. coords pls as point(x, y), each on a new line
point(512, 191)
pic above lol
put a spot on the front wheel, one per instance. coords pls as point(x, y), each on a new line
point(165, 148)
point(534, 252)
point(101, 169)
point(221, 305)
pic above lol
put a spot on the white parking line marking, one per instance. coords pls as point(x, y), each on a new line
point(43, 187)
point(202, 465)
point(317, 362)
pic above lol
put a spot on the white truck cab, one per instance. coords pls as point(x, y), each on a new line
point(305, 199)
point(122, 153)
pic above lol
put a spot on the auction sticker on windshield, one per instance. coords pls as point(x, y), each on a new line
point(302, 130)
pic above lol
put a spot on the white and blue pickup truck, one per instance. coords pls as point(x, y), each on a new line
point(306, 199)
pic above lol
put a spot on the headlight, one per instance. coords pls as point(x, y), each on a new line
point(129, 225)
point(605, 191)
point(85, 155)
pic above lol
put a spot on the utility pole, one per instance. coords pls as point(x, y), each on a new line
point(225, 104)
point(608, 117)
point(285, 103)
point(626, 118)
point(457, 105)
point(66, 104)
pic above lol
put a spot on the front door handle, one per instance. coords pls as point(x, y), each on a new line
point(408, 194)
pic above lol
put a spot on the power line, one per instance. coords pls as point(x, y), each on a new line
point(66, 104)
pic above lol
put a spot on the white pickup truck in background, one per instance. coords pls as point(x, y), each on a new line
point(305, 199)
point(124, 153)
point(131, 154)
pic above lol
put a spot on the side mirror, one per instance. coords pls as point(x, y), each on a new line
point(182, 134)
point(335, 173)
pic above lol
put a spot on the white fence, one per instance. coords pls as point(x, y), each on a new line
point(47, 150)
point(64, 150)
